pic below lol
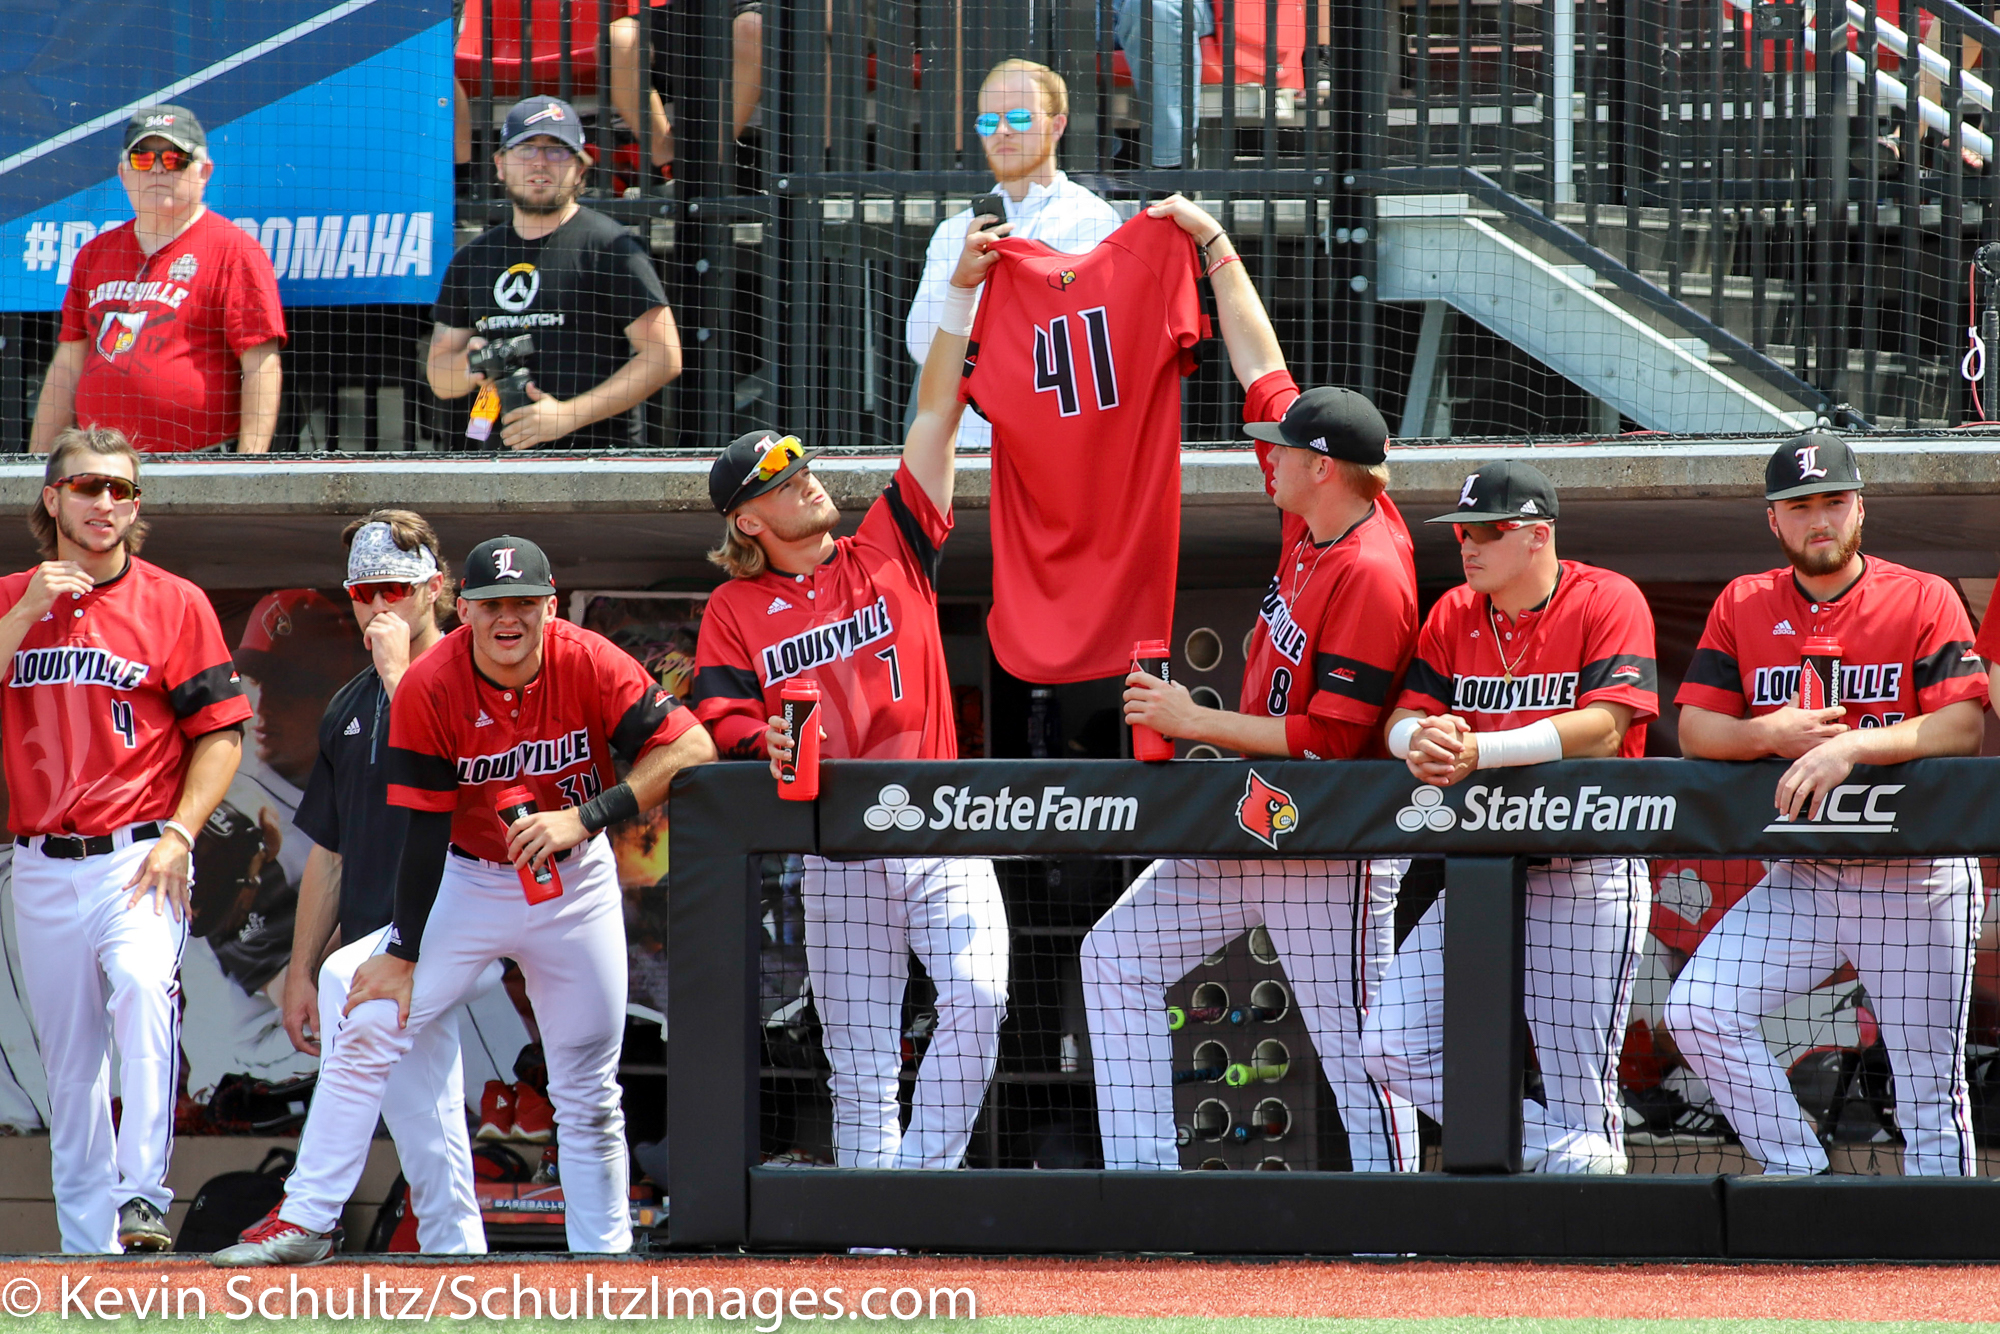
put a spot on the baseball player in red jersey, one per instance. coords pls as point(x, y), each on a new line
point(512, 697)
point(1911, 687)
point(859, 615)
point(123, 724)
point(1531, 659)
point(1335, 632)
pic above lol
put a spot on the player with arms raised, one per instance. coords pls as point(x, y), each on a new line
point(514, 696)
point(1912, 687)
point(123, 723)
point(1531, 659)
point(859, 615)
point(1336, 630)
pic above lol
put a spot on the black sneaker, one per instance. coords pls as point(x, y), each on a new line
point(140, 1227)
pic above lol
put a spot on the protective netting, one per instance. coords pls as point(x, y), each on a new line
point(1681, 1016)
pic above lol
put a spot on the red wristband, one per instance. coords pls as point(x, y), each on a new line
point(1216, 267)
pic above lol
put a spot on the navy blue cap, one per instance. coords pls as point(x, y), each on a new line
point(542, 115)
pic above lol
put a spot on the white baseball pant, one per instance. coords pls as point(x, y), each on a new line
point(1586, 925)
point(1909, 928)
point(572, 955)
point(1336, 939)
point(98, 971)
point(863, 920)
point(423, 1104)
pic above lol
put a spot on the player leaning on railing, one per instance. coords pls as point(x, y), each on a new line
point(1530, 659)
point(1906, 683)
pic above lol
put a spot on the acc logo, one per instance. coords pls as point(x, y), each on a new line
point(1426, 811)
point(515, 290)
point(1060, 279)
point(120, 332)
point(1850, 808)
point(1266, 812)
point(892, 808)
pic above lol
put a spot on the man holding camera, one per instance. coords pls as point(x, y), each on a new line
point(601, 339)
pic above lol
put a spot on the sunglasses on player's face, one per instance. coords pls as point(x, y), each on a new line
point(1020, 120)
point(1483, 533)
point(91, 485)
point(387, 590)
point(169, 159)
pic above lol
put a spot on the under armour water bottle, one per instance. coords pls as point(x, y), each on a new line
point(1150, 656)
point(798, 777)
point(539, 883)
point(1819, 673)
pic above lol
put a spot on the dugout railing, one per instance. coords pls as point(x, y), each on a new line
point(726, 819)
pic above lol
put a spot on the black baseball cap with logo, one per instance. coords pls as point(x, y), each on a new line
point(542, 115)
point(742, 474)
point(1809, 464)
point(1338, 423)
point(176, 124)
point(507, 567)
point(1504, 492)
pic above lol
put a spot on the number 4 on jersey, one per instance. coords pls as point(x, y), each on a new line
point(121, 723)
point(1055, 365)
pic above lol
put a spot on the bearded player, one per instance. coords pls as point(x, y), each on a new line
point(512, 697)
point(1336, 630)
point(123, 723)
point(1912, 687)
point(1531, 659)
point(885, 694)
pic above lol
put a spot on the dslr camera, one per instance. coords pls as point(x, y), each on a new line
point(504, 363)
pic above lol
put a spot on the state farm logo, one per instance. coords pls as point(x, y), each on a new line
point(963, 808)
point(1851, 808)
point(1495, 807)
point(1426, 811)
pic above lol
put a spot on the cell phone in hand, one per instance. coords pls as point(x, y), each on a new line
point(994, 206)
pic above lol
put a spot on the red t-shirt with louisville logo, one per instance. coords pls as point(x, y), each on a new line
point(456, 740)
point(1338, 623)
point(1077, 361)
point(1592, 640)
point(863, 625)
point(166, 331)
point(103, 696)
point(1906, 645)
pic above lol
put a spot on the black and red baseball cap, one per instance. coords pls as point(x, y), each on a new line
point(1810, 464)
point(1504, 492)
point(755, 462)
point(1338, 423)
point(507, 567)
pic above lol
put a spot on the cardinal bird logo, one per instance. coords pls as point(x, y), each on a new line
point(1266, 813)
point(1060, 279)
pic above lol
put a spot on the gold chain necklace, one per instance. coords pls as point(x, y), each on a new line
point(1507, 668)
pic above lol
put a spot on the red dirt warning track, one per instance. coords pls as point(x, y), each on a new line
point(1169, 1287)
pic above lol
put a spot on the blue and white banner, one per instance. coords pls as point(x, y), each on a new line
point(330, 125)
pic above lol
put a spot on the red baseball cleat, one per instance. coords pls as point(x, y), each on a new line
point(534, 1115)
point(496, 1111)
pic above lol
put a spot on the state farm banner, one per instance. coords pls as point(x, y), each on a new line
point(1305, 809)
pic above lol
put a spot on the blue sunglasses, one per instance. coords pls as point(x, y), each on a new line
point(1020, 120)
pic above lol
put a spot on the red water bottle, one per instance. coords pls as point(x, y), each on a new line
point(540, 883)
point(798, 777)
point(1819, 673)
point(1150, 656)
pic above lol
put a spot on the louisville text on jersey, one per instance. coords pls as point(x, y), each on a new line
point(168, 294)
point(1496, 694)
point(827, 643)
point(76, 667)
point(1871, 683)
point(1286, 637)
point(528, 757)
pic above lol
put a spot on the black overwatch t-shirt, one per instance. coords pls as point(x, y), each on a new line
point(575, 290)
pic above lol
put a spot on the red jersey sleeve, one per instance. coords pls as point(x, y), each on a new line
point(1619, 662)
point(1266, 400)
point(727, 695)
point(1947, 663)
point(421, 774)
point(1427, 685)
point(1181, 283)
point(252, 312)
point(201, 678)
point(905, 524)
point(1714, 679)
point(1364, 646)
point(1988, 643)
point(1311, 737)
point(636, 712)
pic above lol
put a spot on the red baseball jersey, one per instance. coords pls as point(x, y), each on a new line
point(1988, 642)
point(1077, 361)
point(166, 330)
point(456, 740)
point(1592, 640)
point(864, 625)
point(1906, 645)
point(1338, 623)
point(103, 696)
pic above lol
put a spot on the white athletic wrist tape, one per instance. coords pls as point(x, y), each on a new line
point(959, 305)
point(1537, 743)
point(1399, 737)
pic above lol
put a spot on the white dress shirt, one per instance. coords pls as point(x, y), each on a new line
point(1063, 216)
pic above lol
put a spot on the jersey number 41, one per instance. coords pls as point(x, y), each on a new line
point(1055, 363)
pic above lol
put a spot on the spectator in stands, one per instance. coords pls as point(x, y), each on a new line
point(1178, 27)
point(746, 73)
point(171, 325)
point(582, 285)
point(1023, 110)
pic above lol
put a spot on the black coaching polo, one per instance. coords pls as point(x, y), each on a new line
point(346, 806)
